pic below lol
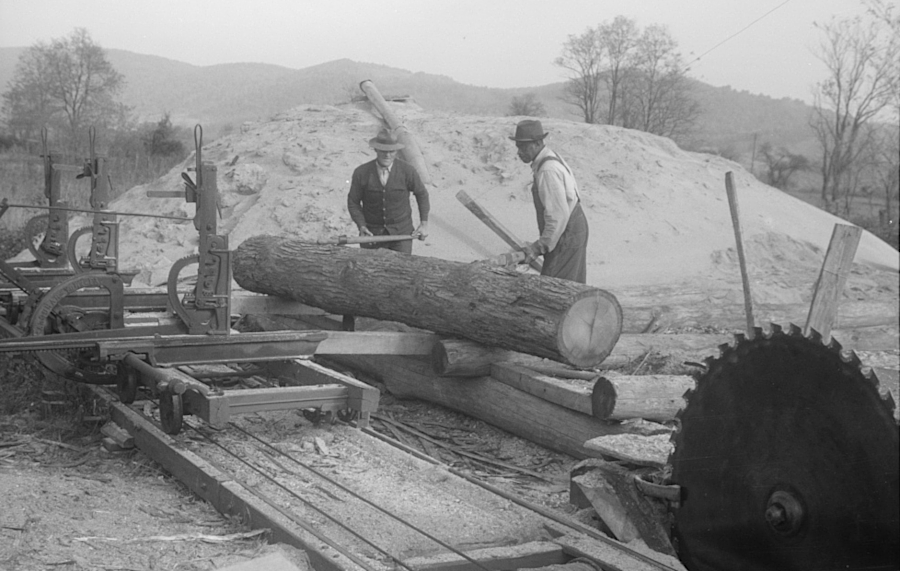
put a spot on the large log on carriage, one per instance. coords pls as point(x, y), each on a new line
point(552, 318)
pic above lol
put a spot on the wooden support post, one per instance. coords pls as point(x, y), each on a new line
point(736, 222)
point(832, 277)
point(494, 225)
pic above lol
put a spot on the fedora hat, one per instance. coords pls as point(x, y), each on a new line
point(385, 141)
point(529, 130)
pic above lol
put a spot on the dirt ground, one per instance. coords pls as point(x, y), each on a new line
point(68, 503)
point(658, 217)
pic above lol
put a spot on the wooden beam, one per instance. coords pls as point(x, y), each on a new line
point(243, 303)
point(376, 343)
point(832, 277)
point(523, 556)
point(571, 394)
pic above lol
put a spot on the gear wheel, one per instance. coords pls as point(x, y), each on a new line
point(787, 458)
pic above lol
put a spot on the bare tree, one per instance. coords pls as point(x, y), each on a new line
point(528, 105)
point(66, 84)
point(781, 165)
point(618, 41)
point(657, 96)
point(646, 85)
point(861, 55)
point(583, 57)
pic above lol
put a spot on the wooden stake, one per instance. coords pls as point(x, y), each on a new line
point(736, 222)
point(832, 277)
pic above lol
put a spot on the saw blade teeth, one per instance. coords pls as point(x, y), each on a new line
point(724, 348)
point(850, 358)
point(795, 331)
point(775, 329)
point(758, 333)
point(814, 336)
point(834, 345)
point(739, 338)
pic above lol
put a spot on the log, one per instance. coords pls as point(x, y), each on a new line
point(453, 357)
point(651, 397)
point(484, 398)
point(461, 358)
point(548, 317)
point(411, 152)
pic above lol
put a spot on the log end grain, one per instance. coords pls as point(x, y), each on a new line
point(590, 328)
point(603, 398)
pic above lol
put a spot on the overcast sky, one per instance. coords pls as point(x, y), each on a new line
point(493, 43)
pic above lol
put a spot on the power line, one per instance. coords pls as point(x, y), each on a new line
point(736, 33)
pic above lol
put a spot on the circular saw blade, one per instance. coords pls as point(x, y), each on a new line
point(787, 458)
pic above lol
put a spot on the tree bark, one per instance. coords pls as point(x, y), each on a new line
point(548, 317)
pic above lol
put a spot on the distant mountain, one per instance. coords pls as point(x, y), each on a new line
point(219, 96)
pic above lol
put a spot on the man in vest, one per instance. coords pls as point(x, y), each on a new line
point(379, 196)
point(560, 218)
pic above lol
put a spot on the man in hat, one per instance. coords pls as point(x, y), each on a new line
point(561, 222)
point(379, 196)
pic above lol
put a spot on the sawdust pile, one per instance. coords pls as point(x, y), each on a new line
point(658, 215)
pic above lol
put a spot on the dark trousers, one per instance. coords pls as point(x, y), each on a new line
point(568, 260)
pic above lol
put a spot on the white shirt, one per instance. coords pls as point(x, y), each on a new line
point(558, 192)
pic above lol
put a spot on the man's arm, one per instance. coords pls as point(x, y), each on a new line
point(422, 201)
point(354, 200)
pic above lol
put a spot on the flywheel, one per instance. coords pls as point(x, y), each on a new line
point(787, 459)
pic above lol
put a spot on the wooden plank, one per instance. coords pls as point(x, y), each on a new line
point(607, 557)
point(491, 222)
point(832, 277)
point(226, 495)
point(326, 397)
point(376, 343)
point(573, 394)
point(524, 556)
point(736, 222)
point(243, 303)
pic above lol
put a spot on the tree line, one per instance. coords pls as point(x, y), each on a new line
point(62, 88)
